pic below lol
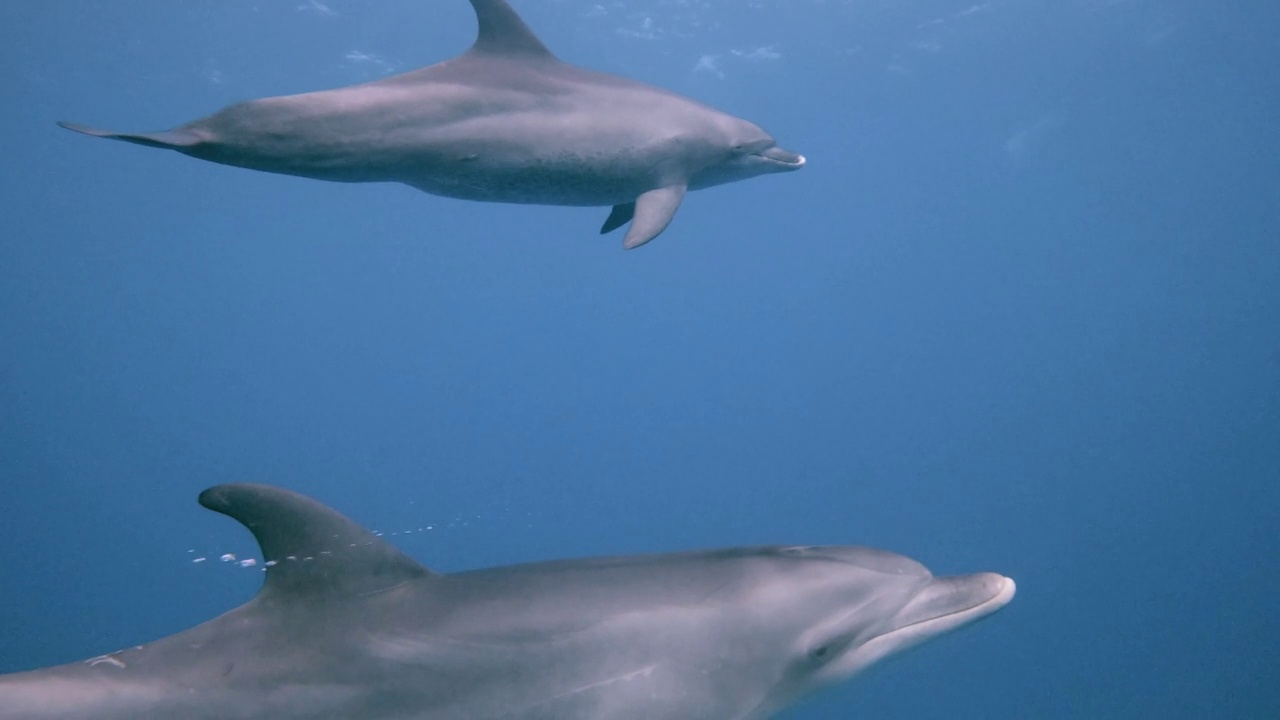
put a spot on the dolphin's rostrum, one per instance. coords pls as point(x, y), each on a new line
point(345, 626)
point(505, 122)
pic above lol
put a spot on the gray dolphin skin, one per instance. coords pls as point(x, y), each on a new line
point(504, 122)
point(346, 627)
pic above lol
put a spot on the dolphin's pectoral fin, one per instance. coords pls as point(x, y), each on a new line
point(653, 213)
point(309, 548)
point(620, 216)
point(171, 140)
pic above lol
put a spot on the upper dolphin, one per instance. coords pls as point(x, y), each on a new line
point(345, 626)
point(505, 121)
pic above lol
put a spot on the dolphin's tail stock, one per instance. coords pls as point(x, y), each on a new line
point(170, 140)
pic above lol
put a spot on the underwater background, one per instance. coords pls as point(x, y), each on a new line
point(1020, 313)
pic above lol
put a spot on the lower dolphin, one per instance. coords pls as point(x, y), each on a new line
point(345, 626)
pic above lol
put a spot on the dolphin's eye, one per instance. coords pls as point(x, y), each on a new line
point(827, 651)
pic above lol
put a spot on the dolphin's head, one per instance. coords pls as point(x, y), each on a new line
point(743, 150)
point(837, 610)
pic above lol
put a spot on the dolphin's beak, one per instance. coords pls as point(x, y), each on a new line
point(947, 603)
point(786, 159)
point(942, 605)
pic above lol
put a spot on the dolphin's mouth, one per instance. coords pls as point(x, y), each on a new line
point(783, 158)
point(944, 605)
point(940, 607)
point(951, 602)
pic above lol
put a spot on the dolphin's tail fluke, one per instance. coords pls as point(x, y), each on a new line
point(171, 140)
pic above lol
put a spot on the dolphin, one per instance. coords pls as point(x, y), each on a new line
point(345, 626)
point(505, 121)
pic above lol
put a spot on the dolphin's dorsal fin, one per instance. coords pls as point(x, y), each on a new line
point(311, 548)
point(502, 32)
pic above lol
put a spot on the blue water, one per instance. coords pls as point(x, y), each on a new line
point(1020, 313)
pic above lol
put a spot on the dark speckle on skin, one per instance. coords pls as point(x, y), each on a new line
point(226, 669)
